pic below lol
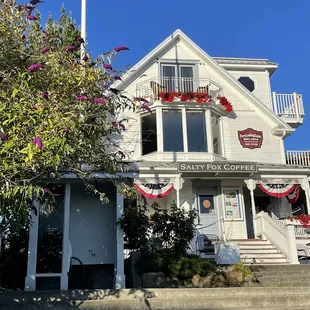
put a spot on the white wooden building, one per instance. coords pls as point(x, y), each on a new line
point(185, 147)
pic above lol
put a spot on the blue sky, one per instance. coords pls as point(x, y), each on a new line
point(273, 29)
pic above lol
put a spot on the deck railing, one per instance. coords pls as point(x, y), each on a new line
point(151, 89)
point(288, 106)
point(298, 158)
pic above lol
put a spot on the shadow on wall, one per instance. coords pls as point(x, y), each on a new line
point(92, 299)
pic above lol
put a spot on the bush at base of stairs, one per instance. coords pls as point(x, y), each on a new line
point(181, 268)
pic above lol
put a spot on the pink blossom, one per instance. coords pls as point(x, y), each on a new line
point(70, 48)
point(31, 17)
point(35, 67)
point(99, 100)
point(80, 40)
point(121, 48)
point(81, 98)
point(45, 50)
point(38, 142)
point(141, 99)
point(44, 94)
point(108, 67)
point(4, 136)
point(117, 77)
point(85, 57)
point(146, 108)
point(34, 2)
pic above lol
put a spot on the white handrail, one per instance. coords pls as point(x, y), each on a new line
point(298, 158)
point(288, 105)
point(268, 228)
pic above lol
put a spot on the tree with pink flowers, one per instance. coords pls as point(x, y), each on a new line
point(58, 112)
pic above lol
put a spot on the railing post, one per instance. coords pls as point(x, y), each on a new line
point(251, 185)
point(274, 102)
point(296, 107)
point(290, 228)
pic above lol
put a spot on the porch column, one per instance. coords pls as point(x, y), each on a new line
point(290, 228)
point(305, 186)
point(251, 185)
point(30, 280)
point(119, 267)
point(178, 183)
point(66, 255)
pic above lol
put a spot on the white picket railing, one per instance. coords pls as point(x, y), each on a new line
point(299, 158)
point(288, 106)
point(150, 89)
point(300, 231)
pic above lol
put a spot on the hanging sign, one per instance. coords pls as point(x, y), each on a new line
point(154, 188)
point(250, 138)
point(276, 190)
point(293, 196)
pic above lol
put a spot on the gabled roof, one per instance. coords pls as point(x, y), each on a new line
point(140, 67)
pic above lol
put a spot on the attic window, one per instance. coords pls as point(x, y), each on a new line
point(247, 83)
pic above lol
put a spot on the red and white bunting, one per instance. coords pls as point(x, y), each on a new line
point(293, 196)
point(276, 190)
point(154, 188)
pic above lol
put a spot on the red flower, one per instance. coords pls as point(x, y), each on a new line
point(38, 142)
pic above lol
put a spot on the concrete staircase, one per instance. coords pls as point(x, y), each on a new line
point(257, 251)
point(282, 275)
point(251, 298)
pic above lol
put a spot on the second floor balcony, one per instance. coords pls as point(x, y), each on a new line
point(289, 107)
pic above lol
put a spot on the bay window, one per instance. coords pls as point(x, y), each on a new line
point(196, 131)
point(182, 129)
point(172, 131)
point(149, 133)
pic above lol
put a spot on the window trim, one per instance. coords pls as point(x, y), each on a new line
point(183, 63)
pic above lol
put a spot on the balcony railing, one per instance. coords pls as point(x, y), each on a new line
point(151, 89)
point(289, 107)
point(298, 158)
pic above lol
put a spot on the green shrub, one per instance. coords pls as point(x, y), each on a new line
point(241, 267)
point(182, 268)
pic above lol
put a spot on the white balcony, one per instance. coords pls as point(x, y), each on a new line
point(153, 88)
point(299, 158)
point(289, 107)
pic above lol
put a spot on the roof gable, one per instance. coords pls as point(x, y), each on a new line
point(138, 69)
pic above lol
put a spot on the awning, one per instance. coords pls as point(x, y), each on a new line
point(154, 188)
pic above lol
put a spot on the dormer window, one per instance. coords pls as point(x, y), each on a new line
point(247, 83)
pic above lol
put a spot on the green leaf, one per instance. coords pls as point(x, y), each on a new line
point(14, 93)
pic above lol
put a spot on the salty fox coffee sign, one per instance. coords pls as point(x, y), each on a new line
point(217, 167)
point(250, 138)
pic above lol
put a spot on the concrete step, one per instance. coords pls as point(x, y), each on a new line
point(11, 297)
point(265, 260)
point(287, 274)
point(225, 302)
point(280, 268)
point(261, 255)
point(259, 250)
point(283, 279)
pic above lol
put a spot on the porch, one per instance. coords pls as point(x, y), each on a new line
point(74, 241)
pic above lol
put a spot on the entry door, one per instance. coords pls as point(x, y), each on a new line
point(178, 78)
point(209, 212)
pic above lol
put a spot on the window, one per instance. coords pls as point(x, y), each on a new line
point(217, 143)
point(206, 204)
point(178, 77)
point(173, 131)
point(149, 134)
point(247, 82)
point(196, 131)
